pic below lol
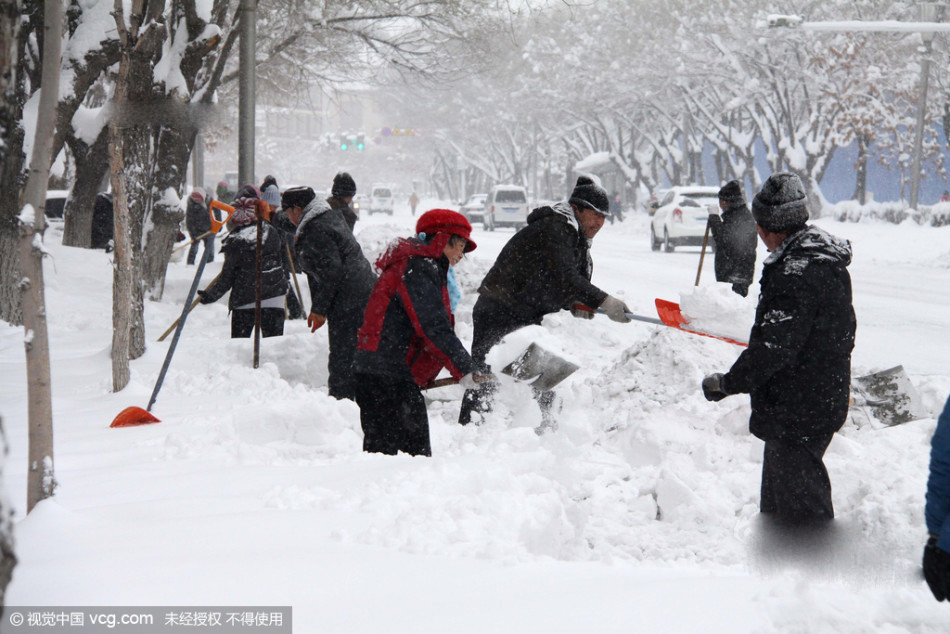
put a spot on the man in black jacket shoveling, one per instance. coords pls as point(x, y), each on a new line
point(733, 232)
point(544, 268)
point(339, 275)
point(797, 368)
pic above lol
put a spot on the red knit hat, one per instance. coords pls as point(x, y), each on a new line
point(446, 221)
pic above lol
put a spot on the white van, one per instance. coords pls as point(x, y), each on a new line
point(506, 206)
point(381, 200)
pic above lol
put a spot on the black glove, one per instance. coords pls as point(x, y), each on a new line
point(712, 387)
point(937, 569)
point(203, 297)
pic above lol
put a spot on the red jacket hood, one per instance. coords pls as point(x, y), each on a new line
point(405, 248)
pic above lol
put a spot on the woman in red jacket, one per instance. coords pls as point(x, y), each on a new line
point(408, 335)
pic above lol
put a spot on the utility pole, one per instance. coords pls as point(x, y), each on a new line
point(929, 25)
point(246, 87)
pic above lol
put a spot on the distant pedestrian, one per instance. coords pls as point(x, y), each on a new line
point(198, 222)
point(239, 272)
point(413, 202)
point(734, 235)
point(797, 368)
point(937, 510)
point(408, 335)
point(945, 197)
point(616, 208)
point(341, 198)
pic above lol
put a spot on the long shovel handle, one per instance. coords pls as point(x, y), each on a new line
point(257, 295)
point(293, 271)
point(635, 317)
point(175, 323)
point(192, 241)
point(181, 323)
point(702, 254)
point(190, 308)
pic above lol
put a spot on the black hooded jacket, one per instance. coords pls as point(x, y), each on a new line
point(545, 267)
point(239, 272)
point(797, 367)
point(197, 219)
point(339, 275)
point(735, 237)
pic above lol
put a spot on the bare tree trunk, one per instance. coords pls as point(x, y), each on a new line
point(91, 166)
point(40, 480)
point(173, 148)
point(11, 160)
point(861, 167)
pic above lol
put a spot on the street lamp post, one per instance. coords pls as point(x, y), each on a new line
point(928, 13)
point(246, 114)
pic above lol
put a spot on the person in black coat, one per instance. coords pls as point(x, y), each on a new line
point(544, 268)
point(339, 275)
point(341, 198)
point(103, 222)
point(239, 273)
point(733, 233)
point(408, 335)
point(197, 223)
point(797, 368)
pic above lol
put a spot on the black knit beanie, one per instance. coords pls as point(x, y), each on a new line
point(731, 193)
point(780, 206)
point(588, 194)
point(343, 185)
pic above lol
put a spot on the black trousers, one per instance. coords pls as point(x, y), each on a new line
point(795, 483)
point(242, 322)
point(491, 322)
point(342, 330)
point(393, 416)
point(193, 250)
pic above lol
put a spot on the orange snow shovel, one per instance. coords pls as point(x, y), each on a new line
point(134, 416)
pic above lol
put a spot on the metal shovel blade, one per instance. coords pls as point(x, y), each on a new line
point(889, 395)
point(542, 369)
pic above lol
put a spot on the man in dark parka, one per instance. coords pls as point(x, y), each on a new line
point(797, 368)
point(544, 268)
point(734, 234)
point(339, 275)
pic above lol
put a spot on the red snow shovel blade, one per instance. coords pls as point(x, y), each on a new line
point(132, 417)
point(671, 316)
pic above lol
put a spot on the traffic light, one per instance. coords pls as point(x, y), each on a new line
point(344, 143)
point(359, 143)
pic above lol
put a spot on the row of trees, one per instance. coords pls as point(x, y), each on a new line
point(140, 79)
point(658, 86)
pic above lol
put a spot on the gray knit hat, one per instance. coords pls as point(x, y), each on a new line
point(343, 185)
point(271, 195)
point(780, 206)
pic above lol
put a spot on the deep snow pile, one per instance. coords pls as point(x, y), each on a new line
point(645, 487)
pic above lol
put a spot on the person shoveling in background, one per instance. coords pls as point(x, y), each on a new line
point(733, 231)
point(239, 272)
point(937, 510)
point(797, 368)
point(544, 268)
point(198, 223)
point(408, 335)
